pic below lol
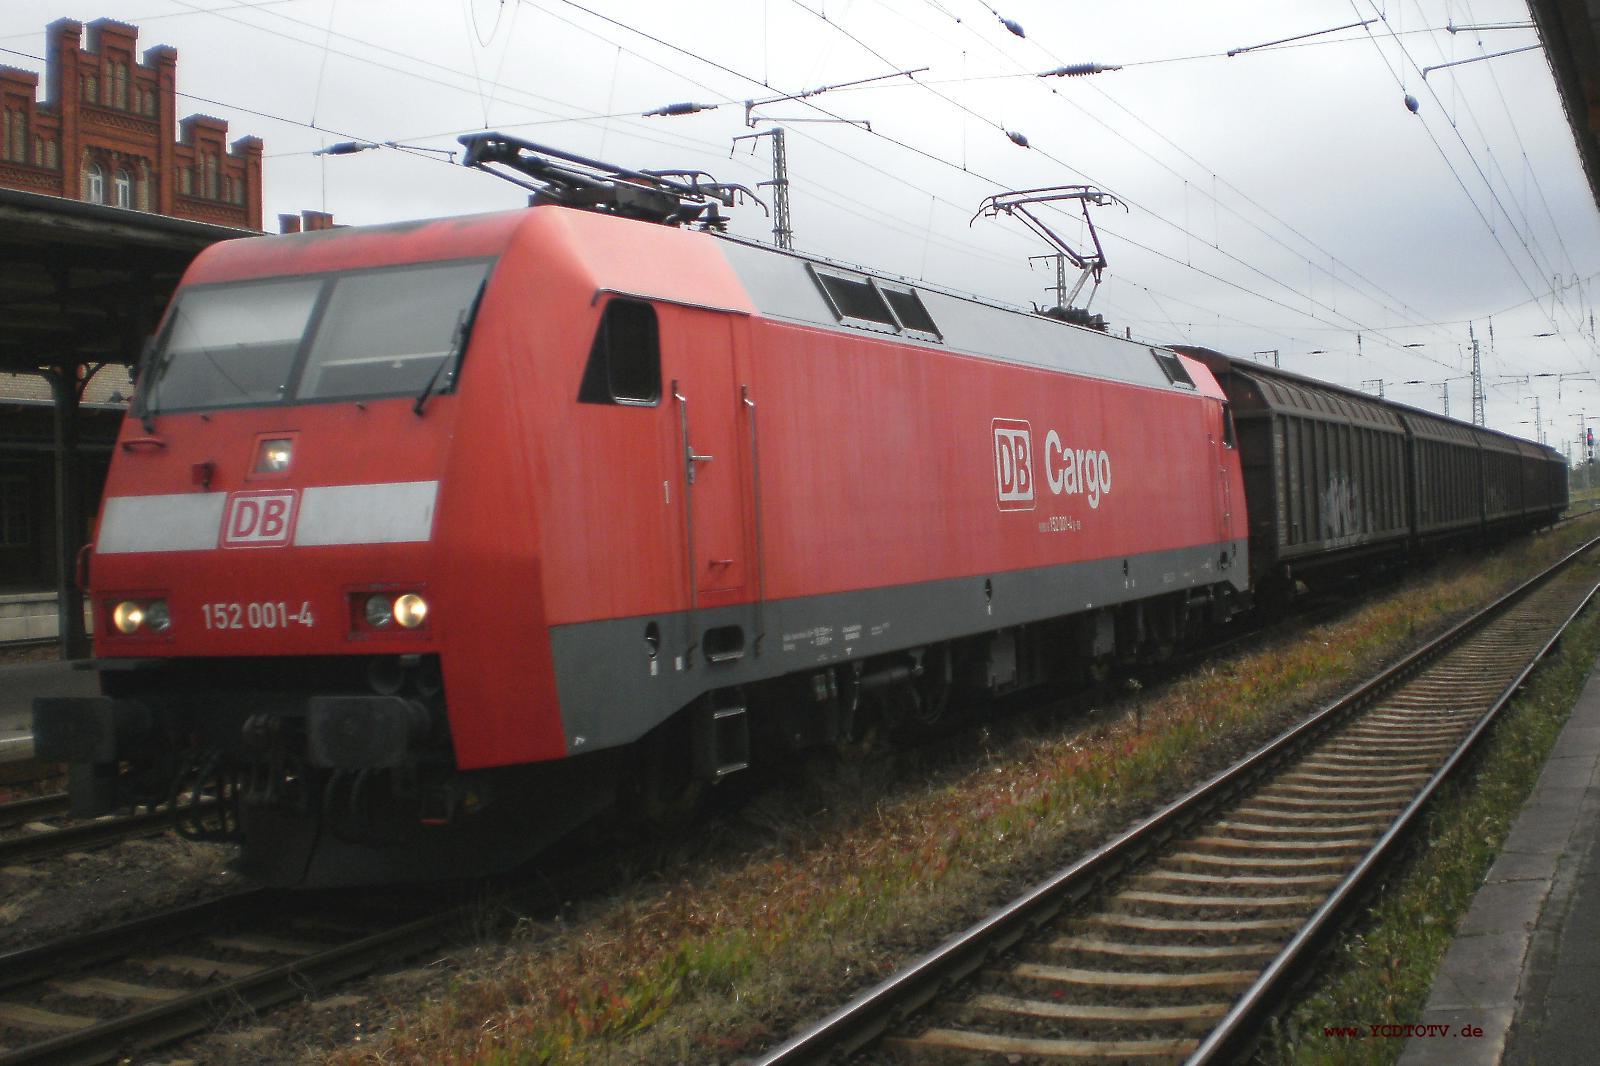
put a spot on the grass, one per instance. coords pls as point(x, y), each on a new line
point(1382, 973)
point(723, 960)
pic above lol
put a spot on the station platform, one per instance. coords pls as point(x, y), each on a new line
point(19, 684)
point(1524, 968)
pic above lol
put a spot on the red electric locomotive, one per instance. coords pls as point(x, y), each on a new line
point(424, 543)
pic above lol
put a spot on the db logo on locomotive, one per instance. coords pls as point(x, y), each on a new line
point(258, 519)
point(1013, 464)
point(1068, 471)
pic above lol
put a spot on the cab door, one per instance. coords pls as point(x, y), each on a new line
point(698, 363)
point(1226, 445)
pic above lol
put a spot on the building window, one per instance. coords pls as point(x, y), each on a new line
point(150, 103)
point(211, 176)
point(91, 89)
point(119, 85)
point(122, 186)
point(186, 181)
point(50, 155)
point(94, 184)
point(15, 136)
point(15, 531)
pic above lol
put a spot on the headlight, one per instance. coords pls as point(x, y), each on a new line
point(410, 610)
point(127, 616)
point(272, 456)
point(378, 611)
point(156, 617)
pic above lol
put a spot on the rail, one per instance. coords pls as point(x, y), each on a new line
point(870, 1014)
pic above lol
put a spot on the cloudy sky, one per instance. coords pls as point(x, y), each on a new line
point(1283, 198)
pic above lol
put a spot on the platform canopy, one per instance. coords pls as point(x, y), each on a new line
point(84, 283)
point(1570, 30)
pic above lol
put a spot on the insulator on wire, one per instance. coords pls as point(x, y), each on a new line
point(1017, 138)
point(1078, 70)
point(680, 109)
point(1411, 103)
point(1012, 24)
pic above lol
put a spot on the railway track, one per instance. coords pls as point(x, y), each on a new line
point(23, 811)
point(115, 993)
point(96, 997)
point(1175, 941)
point(40, 827)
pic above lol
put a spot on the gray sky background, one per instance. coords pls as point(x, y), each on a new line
point(1283, 198)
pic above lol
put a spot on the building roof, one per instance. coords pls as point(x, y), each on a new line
point(86, 283)
point(1570, 30)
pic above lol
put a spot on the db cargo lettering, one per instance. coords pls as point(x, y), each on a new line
point(1070, 471)
point(1013, 464)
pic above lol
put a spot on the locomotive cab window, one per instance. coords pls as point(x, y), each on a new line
point(624, 364)
point(231, 345)
point(387, 332)
point(360, 334)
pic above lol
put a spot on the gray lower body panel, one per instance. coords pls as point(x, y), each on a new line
point(613, 690)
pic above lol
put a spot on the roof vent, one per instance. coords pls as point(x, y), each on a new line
point(1173, 367)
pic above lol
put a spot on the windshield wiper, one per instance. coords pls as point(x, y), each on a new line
point(458, 348)
point(145, 380)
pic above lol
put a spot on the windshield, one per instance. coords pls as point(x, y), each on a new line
point(354, 335)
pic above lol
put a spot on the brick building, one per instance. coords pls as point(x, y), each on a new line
point(108, 132)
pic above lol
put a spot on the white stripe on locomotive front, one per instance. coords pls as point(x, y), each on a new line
point(392, 513)
point(396, 513)
point(180, 522)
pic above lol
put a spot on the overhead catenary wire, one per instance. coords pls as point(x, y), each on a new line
point(1313, 322)
point(1488, 146)
point(740, 75)
point(1403, 310)
point(1355, 324)
point(1515, 128)
point(1350, 326)
point(1460, 181)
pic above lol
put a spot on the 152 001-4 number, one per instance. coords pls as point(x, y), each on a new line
point(255, 615)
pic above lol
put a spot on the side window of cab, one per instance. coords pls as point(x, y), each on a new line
point(624, 366)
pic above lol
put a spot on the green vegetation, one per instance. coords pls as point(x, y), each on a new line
point(712, 966)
